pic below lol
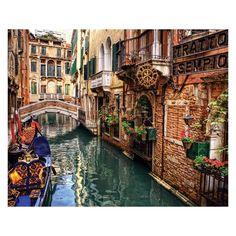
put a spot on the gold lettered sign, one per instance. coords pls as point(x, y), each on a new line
point(190, 57)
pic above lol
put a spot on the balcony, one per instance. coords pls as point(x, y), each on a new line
point(101, 80)
point(51, 96)
point(151, 47)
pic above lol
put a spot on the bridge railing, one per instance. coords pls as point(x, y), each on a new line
point(49, 105)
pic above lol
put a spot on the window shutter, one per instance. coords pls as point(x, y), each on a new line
point(86, 45)
point(94, 65)
point(115, 51)
point(88, 68)
point(85, 72)
point(114, 57)
point(81, 59)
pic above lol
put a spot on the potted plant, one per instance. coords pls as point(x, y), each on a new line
point(211, 166)
point(129, 130)
point(186, 139)
point(140, 132)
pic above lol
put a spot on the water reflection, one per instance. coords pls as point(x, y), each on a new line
point(91, 172)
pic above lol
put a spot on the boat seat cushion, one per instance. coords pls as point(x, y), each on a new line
point(31, 175)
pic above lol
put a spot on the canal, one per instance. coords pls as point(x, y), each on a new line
point(91, 172)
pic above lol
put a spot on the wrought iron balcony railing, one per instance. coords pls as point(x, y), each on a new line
point(141, 49)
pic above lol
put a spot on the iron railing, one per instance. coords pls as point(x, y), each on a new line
point(214, 188)
point(141, 49)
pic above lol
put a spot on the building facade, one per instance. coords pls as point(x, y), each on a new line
point(18, 69)
point(98, 85)
point(141, 89)
point(50, 59)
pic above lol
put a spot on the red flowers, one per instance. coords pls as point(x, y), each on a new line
point(186, 136)
point(213, 165)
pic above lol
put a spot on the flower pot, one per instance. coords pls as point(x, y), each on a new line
point(187, 145)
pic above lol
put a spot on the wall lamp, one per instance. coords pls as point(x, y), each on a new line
point(187, 119)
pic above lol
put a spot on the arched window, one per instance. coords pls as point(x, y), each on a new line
point(108, 54)
point(101, 58)
point(51, 68)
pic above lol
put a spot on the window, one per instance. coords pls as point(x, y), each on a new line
point(67, 89)
point(68, 53)
point(33, 87)
point(43, 70)
point(33, 49)
point(33, 66)
point(59, 89)
point(43, 88)
point(58, 71)
point(67, 68)
point(51, 68)
point(43, 51)
point(58, 52)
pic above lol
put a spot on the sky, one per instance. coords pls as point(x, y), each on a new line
point(67, 32)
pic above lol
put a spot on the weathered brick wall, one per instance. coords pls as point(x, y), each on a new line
point(178, 169)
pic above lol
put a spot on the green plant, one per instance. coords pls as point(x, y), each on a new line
point(141, 130)
point(185, 137)
point(218, 109)
point(211, 165)
point(127, 127)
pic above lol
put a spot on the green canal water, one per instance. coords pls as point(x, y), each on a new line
point(91, 172)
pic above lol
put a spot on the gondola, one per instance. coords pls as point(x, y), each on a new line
point(29, 177)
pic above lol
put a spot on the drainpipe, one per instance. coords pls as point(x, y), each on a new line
point(163, 126)
point(162, 102)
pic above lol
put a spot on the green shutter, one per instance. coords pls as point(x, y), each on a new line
point(74, 42)
point(115, 51)
point(94, 65)
point(73, 68)
point(81, 59)
point(199, 148)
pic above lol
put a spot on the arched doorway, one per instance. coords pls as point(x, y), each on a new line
point(143, 112)
point(144, 118)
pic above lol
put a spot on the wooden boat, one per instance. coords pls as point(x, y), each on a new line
point(29, 178)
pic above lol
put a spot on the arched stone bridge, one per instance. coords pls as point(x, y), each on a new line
point(49, 106)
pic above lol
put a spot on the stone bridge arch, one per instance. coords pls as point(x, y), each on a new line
point(49, 106)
